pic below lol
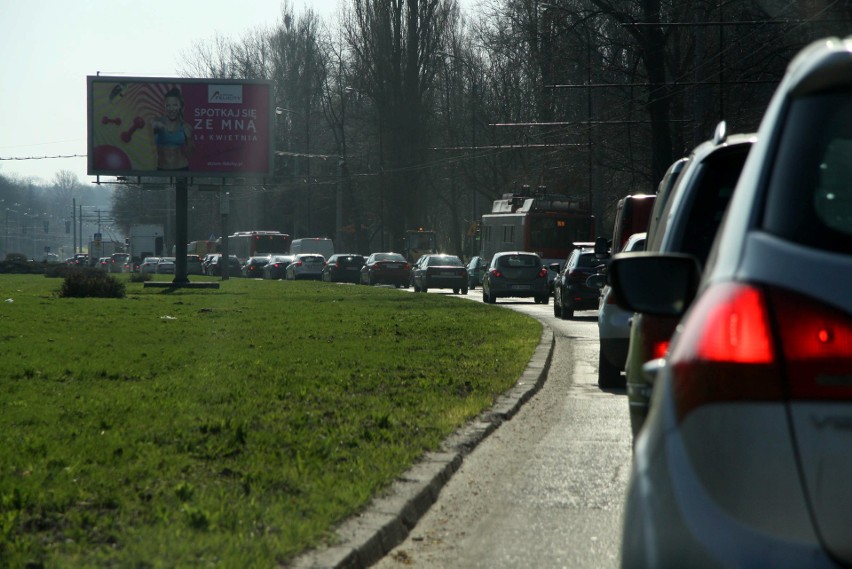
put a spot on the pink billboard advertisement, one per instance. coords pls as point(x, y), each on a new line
point(179, 127)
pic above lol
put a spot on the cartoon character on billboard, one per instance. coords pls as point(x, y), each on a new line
point(172, 134)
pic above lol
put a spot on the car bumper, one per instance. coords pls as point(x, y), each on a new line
point(445, 282)
point(518, 290)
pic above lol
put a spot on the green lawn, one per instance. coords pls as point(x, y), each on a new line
point(231, 427)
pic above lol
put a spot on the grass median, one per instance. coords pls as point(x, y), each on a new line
point(231, 427)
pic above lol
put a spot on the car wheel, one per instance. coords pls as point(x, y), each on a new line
point(609, 376)
point(455, 291)
point(567, 313)
point(544, 299)
point(424, 289)
point(557, 309)
point(464, 291)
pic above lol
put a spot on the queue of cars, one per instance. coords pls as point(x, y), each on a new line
point(743, 459)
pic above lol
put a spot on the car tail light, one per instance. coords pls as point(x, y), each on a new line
point(298, 263)
point(816, 342)
point(543, 272)
point(744, 342)
point(496, 273)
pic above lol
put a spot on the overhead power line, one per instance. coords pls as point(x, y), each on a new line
point(43, 157)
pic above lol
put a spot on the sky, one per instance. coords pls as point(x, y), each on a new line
point(51, 46)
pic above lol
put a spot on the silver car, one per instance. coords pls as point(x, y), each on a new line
point(305, 266)
point(614, 328)
point(746, 456)
point(165, 266)
point(516, 274)
point(149, 265)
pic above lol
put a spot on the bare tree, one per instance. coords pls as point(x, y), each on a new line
point(395, 48)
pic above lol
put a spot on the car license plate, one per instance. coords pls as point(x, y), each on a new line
point(520, 287)
point(392, 266)
point(448, 274)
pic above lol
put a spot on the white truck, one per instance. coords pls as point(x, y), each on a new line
point(145, 241)
point(321, 245)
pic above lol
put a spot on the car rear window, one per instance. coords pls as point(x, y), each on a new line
point(519, 261)
point(445, 261)
point(393, 257)
point(719, 176)
point(588, 261)
point(810, 194)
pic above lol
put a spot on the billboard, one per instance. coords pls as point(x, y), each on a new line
point(179, 127)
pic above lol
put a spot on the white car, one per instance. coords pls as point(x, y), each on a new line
point(149, 265)
point(305, 266)
point(614, 328)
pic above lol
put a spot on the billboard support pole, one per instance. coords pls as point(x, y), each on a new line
point(224, 210)
point(181, 210)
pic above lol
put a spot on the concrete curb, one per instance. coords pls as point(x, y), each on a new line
point(385, 523)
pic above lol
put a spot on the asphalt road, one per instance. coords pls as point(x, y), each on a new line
point(546, 488)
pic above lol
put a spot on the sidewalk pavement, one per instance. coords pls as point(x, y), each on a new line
point(368, 536)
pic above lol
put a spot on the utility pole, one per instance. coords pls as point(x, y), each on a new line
point(74, 223)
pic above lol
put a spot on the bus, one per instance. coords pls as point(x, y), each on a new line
point(547, 224)
point(245, 244)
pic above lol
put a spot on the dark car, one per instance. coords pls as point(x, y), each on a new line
point(475, 271)
point(688, 224)
point(276, 268)
point(570, 291)
point(253, 267)
point(386, 268)
point(744, 460)
point(439, 271)
point(215, 266)
point(516, 274)
point(343, 268)
point(118, 262)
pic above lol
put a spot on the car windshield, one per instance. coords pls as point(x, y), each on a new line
point(518, 261)
point(445, 261)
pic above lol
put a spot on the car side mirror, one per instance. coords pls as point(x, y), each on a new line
point(653, 283)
